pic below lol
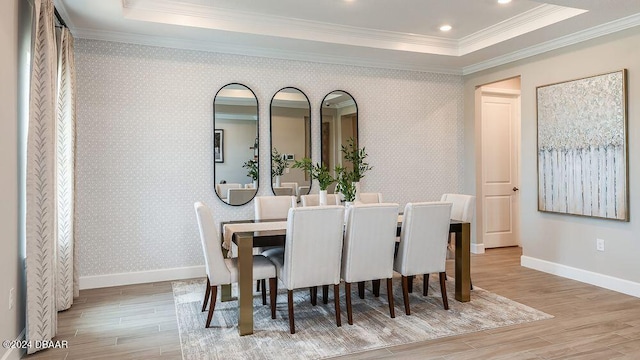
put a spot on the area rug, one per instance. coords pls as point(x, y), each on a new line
point(317, 335)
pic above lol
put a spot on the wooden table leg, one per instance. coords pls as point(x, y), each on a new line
point(245, 282)
point(225, 291)
point(463, 263)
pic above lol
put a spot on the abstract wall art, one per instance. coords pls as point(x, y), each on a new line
point(582, 147)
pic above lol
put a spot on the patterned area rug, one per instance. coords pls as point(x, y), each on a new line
point(317, 335)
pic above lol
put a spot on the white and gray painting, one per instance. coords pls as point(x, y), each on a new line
point(582, 161)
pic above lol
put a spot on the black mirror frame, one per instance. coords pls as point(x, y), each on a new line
point(257, 141)
point(357, 120)
point(271, 135)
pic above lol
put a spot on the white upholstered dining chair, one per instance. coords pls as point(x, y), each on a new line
point(314, 200)
point(423, 246)
point(462, 209)
point(273, 207)
point(312, 253)
point(269, 208)
point(370, 198)
point(369, 243)
point(283, 191)
point(240, 196)
point(222, 189)
point(221, 271)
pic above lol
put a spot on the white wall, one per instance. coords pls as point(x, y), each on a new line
point(565, 244)
point(11, 320)
point(144, 152)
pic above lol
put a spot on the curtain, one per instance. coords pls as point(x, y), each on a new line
point(52, 280)
point(67, 278)
point(41, 182)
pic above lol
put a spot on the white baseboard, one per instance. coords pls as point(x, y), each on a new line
point(141, 277)
point(585, 276)
point(13, 353)
point(477, 248)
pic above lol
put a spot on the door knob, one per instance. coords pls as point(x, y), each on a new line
point(515, 188)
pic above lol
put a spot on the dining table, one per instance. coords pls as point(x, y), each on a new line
point(247, 234)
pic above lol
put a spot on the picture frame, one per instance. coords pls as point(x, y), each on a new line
point(218, 145)
point(582, 147)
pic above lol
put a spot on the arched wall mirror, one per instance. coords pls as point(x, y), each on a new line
point(339, 123)
point(235, 144)
point(290, 141)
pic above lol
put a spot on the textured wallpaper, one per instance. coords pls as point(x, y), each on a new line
point(144, 142)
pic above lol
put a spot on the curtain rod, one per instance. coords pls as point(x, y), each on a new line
point(57, 14)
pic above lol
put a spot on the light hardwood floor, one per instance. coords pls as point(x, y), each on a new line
point(139, 321)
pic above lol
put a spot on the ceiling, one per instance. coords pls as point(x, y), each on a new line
point(378, 33)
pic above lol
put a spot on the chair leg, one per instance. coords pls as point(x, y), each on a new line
point(336, 298)
point(212, 304)
point(264, 292)
point(206, 295)
point(292, 326)
point(347, 292)
point(361, 289)
point(392, 311)
point(325, 294)
point(376, 287)
point(443, 290)
point(470, 282)
point(257, 285)
point(425, 284)
point(273, 292)
point(410, 284)
point(405, 294)
point(313, 291)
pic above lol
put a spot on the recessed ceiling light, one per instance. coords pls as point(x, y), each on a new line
point(504, 1)
point(445, 27)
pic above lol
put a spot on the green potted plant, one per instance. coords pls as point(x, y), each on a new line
point(318, 172)
point(278, 166)
point(356, 156)
point(252, 167)
point(346, 185)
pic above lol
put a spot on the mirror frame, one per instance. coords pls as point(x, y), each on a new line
point(257, 141)
point(271, 137)
point(355, 103)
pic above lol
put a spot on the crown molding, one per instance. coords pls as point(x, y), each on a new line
point(234, 49)
point(534, 19)
point(207, 17)
point(575, 38)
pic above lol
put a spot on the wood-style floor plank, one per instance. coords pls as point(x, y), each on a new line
point(139, 321)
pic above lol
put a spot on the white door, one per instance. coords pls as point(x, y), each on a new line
point(500, 127)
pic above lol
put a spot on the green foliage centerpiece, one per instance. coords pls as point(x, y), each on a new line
point(278, 165)
point(252, 166)
point(319, 173)
point(357, 157)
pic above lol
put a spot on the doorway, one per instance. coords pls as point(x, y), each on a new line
point(498, 112)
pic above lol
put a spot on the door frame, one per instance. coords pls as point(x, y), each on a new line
point(487, 89)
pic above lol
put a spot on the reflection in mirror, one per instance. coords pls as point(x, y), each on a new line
point(339, 121)
point(235, 144)
point(290, 141)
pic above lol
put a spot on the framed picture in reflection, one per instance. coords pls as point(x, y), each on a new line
point(218, 145)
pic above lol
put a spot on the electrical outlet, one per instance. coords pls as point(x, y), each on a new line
point(12, 298)
point(600, 244)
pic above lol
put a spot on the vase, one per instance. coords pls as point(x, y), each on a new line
point(255, 184)
point(277, 184)
point(356, 185)
point(347, 209)
point(322, 199)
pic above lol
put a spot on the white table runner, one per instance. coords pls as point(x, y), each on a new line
point(229, 229)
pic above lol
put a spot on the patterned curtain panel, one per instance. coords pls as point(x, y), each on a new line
point(41, 183)
point(67, 284)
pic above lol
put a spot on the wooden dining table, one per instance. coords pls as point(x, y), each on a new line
point(247, 240)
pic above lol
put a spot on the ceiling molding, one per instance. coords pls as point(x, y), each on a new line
point(534, 19)
point(578, 37)
point(235, 49)
point(207, 17)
